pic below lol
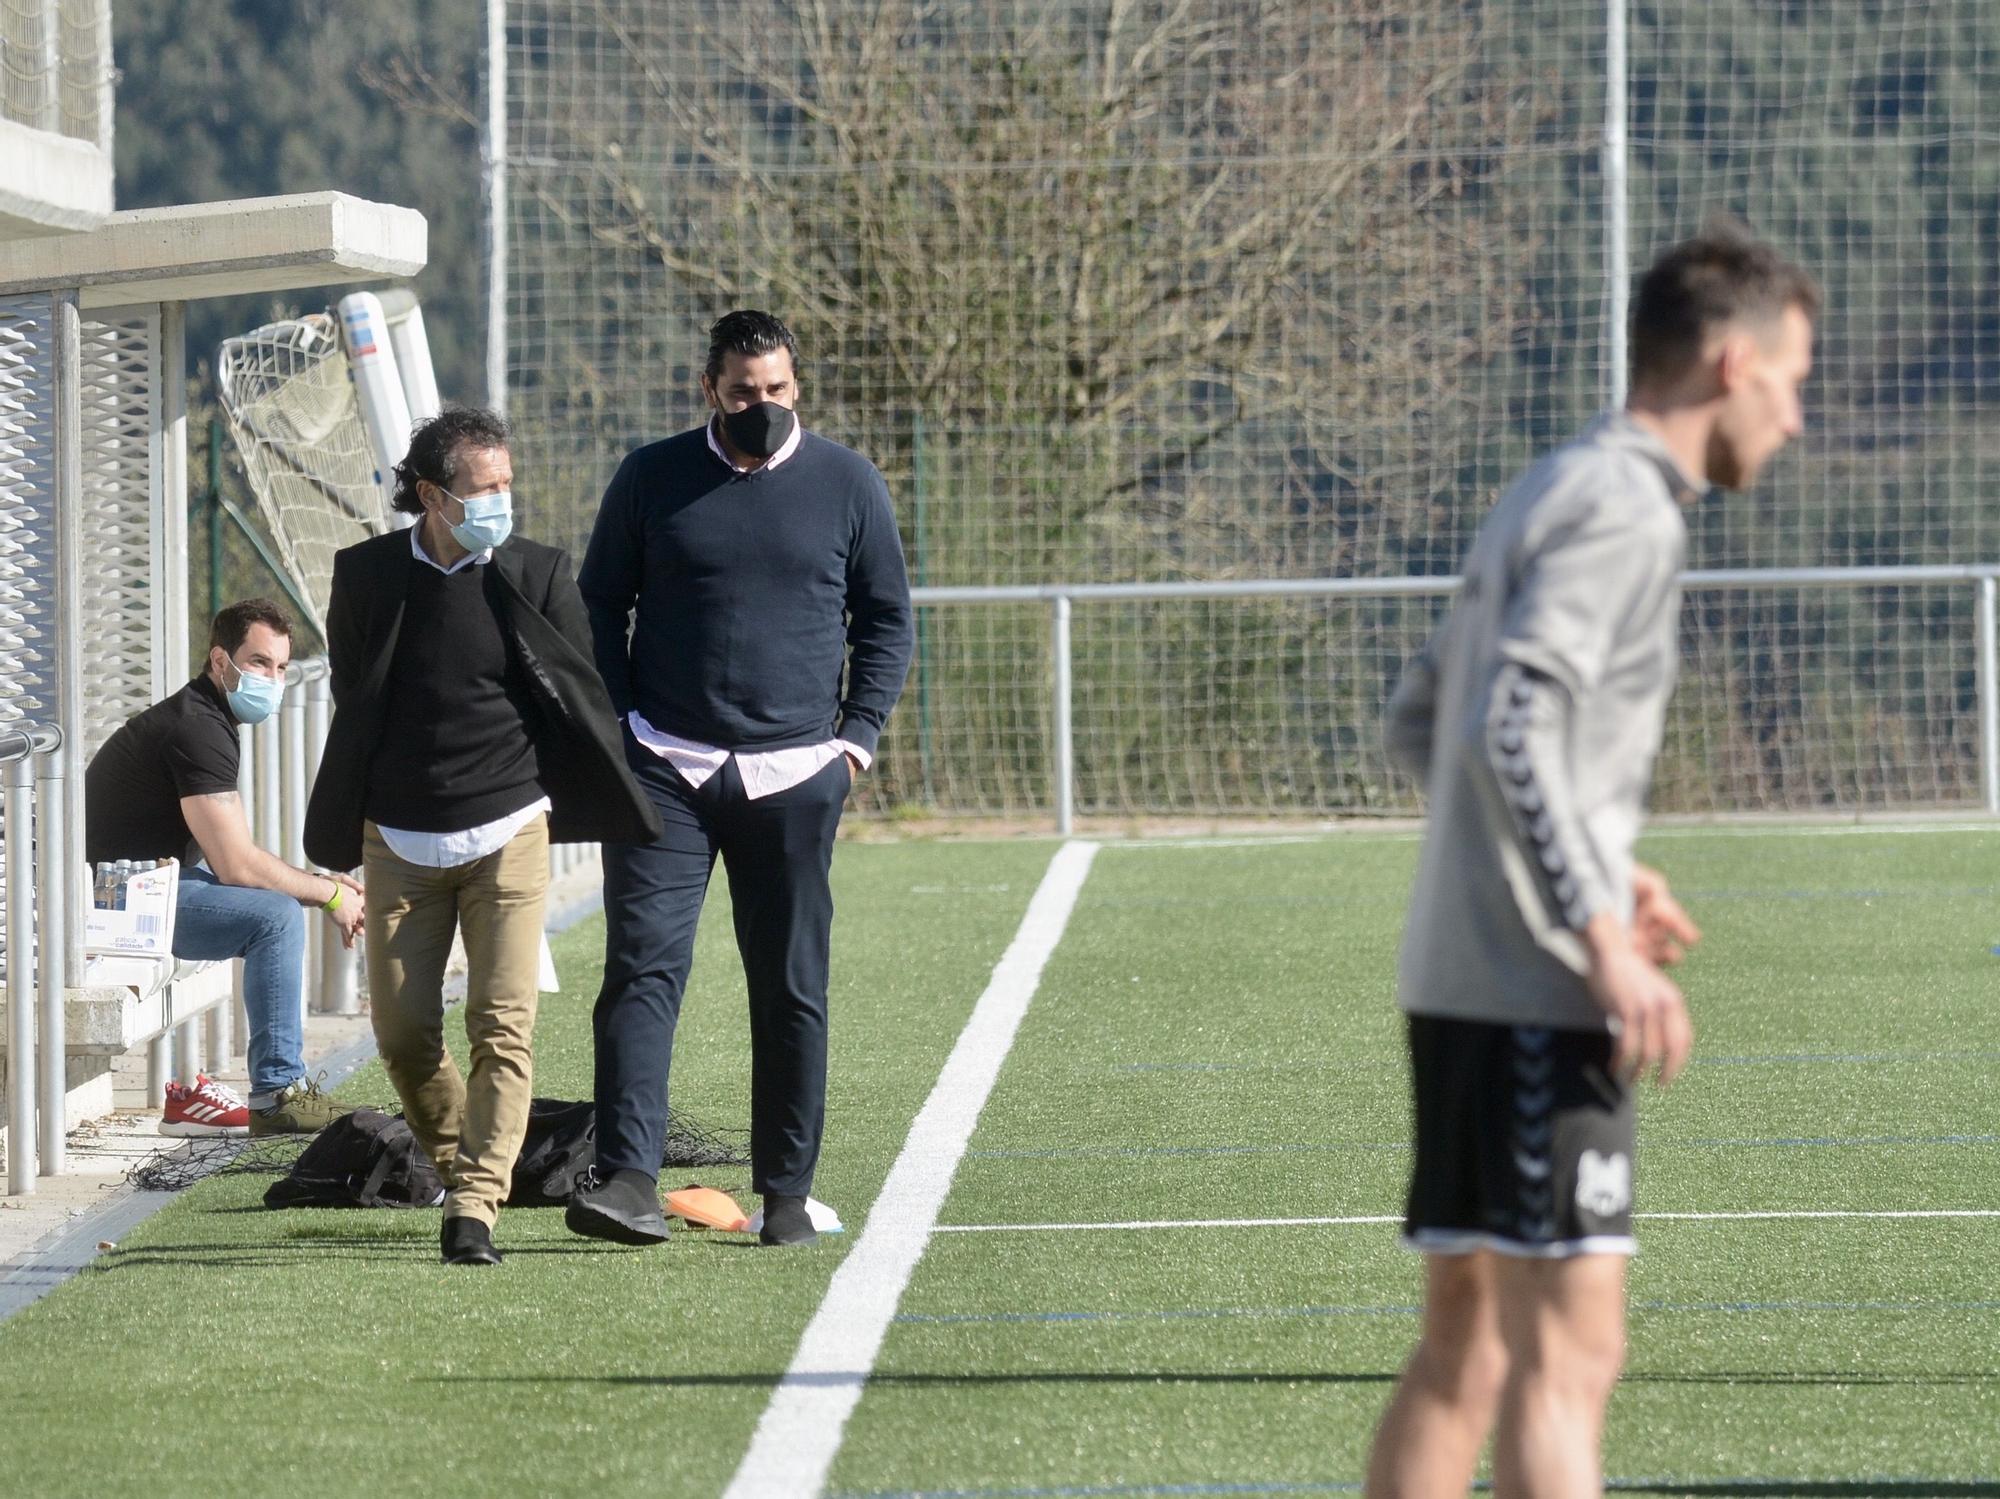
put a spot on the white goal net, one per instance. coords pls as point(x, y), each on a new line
point(292, 412)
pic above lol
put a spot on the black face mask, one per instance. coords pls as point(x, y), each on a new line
point(759, 430)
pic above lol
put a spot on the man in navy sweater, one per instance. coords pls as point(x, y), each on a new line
point(733, 572)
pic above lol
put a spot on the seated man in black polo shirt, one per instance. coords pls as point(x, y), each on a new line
point(165, 787)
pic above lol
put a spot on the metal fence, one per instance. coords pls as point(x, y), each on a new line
point(31, 813)
point(1266, 289)
point(42, 953)
point(1768, 715)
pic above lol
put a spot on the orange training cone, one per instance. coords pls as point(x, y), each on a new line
point(708, 1208)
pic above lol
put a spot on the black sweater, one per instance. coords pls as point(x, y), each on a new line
point(750, 590)
point(457, 747)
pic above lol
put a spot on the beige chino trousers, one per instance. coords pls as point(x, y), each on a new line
point(471, 1129)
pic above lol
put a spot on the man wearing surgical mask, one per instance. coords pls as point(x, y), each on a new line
point(470, 730)
point(752, 620)
point(165, 787)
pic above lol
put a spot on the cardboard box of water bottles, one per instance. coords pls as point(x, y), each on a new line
point(132, 908)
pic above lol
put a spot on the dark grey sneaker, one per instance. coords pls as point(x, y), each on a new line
point(786, 1221)
point(625, 1209)
point(302, 1109)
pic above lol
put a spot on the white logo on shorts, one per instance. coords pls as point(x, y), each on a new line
point(1604, 1183)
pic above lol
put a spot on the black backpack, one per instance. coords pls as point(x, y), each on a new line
point(366, 1159)
point(558, 1148)
point(369, 1159)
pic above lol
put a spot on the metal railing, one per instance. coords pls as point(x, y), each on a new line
point(1062, 598)
point(37, 1057)
point(281, 759)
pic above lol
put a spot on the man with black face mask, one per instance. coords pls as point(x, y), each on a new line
point(734, 570)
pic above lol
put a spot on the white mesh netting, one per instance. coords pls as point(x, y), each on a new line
point(292, 412)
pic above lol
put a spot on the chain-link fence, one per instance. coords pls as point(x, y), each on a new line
point(1131, 290)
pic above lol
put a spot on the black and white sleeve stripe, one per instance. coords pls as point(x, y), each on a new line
point(1527, 725)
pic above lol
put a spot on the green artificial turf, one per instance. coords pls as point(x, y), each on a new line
point(1215, 1038)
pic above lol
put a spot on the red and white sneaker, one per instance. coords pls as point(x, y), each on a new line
point(208, 1108)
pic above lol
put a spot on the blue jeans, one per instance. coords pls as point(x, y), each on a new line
point(267, 931)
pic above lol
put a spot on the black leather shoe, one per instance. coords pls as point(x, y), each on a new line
point(467, 1241)
point(786, 1221)
point(625, 1209)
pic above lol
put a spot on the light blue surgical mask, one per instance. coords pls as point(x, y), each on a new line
point(489, 520)
point(254, 699)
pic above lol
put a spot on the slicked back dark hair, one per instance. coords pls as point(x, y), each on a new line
point(1721, 276)
point(748, 332)
point(435, 444)
point(232, 626)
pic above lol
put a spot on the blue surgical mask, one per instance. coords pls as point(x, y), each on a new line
point(489, 520)
point(254, 699)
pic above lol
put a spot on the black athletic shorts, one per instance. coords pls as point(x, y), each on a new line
point(1524, 1141)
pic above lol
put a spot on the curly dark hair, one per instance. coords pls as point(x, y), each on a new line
point(435, 444)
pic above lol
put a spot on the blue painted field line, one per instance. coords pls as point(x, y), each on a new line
point(1810, 1058)
point(1841, 1142)
point(1291, 1313)
point(1747, 1059)
point(1748, 1142)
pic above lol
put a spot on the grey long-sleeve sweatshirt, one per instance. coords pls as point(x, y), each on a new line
point(1533, 717)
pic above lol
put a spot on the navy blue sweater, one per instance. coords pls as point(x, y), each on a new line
point(750, 590)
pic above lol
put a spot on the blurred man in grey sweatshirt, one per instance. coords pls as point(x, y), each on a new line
point(1531, 968)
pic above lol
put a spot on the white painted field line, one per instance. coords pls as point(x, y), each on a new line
point(1350, 1222)
point(801, 1428)
point(1022, 1228)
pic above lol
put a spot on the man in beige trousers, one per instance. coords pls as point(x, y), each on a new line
point(470, 726)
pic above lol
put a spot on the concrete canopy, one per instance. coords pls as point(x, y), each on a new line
point(240, 246)
point(51, 184)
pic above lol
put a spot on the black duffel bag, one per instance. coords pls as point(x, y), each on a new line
point(369, 1159)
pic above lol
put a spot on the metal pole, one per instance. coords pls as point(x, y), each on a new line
point(67, 624)
point(214, 516)
point(322, 943)
point(921, 545)
point(1617, 204)
point(246, 783)
point(338, 993)
point(187, 1051)
point(170, 558)
point(20, 855)
point(52, 889)
point(159, 1067)
point(1989, 694)
point(493, 171)
point(1065, 766)
point(335, 990)
point(270, 831)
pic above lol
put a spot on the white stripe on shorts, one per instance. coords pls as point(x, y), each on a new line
point(1471, 1241)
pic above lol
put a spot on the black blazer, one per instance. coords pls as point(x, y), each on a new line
point(577, 742)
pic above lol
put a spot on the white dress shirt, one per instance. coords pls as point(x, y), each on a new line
point(764, 772)
point(449, 850)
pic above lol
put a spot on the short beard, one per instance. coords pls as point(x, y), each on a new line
point(1723, 466)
